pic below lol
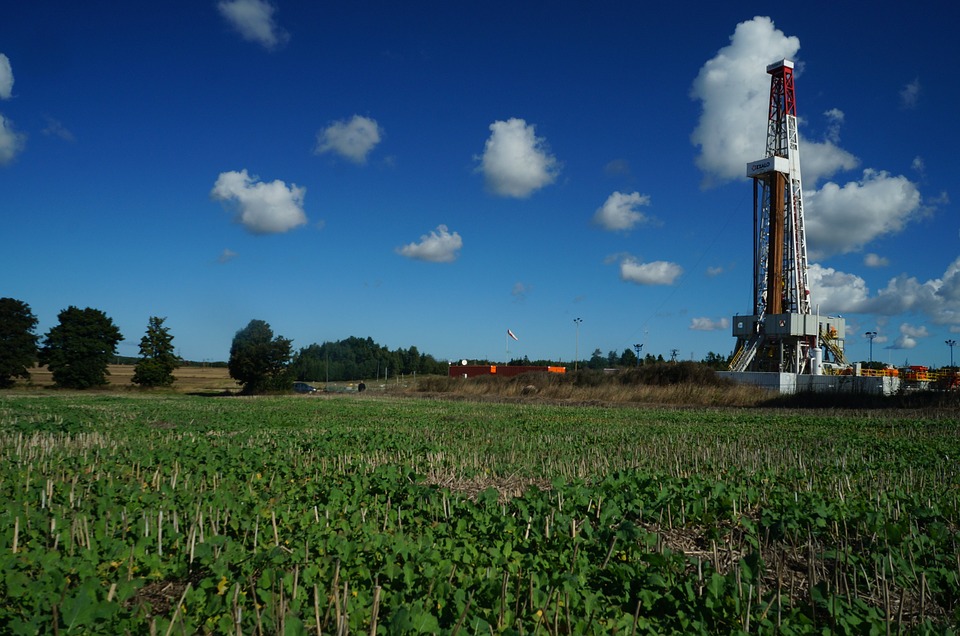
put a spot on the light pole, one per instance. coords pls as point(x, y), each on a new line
point(638, 347)
point(871, 335)
point(576, 355)
point(951, 343)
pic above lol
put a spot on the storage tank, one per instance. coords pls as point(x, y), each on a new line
point(816, 366)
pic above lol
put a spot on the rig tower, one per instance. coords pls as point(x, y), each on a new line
point(781, 334)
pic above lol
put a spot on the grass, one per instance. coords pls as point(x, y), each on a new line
point(177, 512)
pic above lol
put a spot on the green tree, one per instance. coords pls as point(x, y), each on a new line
point(258, 361)
point(628, 358)
point(158, 359)
point(597, 361)
point(78, 349)
point(716, 361)
point(18, 342)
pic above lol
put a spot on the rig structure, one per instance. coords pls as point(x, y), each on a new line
point(782, 334)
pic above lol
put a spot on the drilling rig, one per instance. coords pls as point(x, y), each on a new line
point(782, 334)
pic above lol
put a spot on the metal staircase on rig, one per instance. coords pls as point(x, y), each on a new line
point(746, 353)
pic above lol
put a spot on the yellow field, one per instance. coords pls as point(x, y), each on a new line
point(188, 379)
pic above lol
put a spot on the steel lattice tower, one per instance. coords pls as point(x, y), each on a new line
point(780, 255)
point(781, 333)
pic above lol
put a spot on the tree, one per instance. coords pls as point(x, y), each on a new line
point(158, 359)
point(18, 343)
point(258, 361)
point(78, 349)
point(716, 361)
point(597, 361)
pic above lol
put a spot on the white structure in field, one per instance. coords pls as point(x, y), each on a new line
point(782, 334)
point(783, 344)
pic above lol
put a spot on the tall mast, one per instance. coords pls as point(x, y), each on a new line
point(781, 335)
point(780, 245)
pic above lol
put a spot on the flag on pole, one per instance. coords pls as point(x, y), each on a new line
point(510, 333)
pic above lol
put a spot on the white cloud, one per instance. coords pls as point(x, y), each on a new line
point(875, 260)
point(734, 92)
point(226, 256)
point(708, 324)
point(352, 139)
point(822, 159)
point(515, 162)
point(834, 291)
point(655, 273)
point(910, 93)
point(937, 299)
point(6, 77)
point(11, 142)
point(619, 212)
point(440, 246)
point(843, 219)
point(714, 271)
point(734, 89)
point(253, 19)
point(263, 208)
point(908, 336)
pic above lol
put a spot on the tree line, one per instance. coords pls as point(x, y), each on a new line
point(360, 358)
point(612, 360)
point(79, 348)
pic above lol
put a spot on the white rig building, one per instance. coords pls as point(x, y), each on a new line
point(783, 344)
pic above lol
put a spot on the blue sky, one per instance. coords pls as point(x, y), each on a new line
point(433, 174)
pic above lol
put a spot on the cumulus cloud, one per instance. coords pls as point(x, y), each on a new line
point(655, 273)
point(6, 77)
point(11, 142)
point(262, 208)
point(834, 291)
point(253, 19)
point(619, 212)
point(352, 139)
point(843, 219)
point(875, 260)
point(440, 246)
point(910, 93)
point(820, 160)
point(937, 299)
point(734, 92)
point(708, 324)
point(515, 162)
point(908, 336)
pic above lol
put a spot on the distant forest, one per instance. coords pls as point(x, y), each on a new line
point(360, 359)
point(363, 359)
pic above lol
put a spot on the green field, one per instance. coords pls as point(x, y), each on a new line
point(180, 514)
